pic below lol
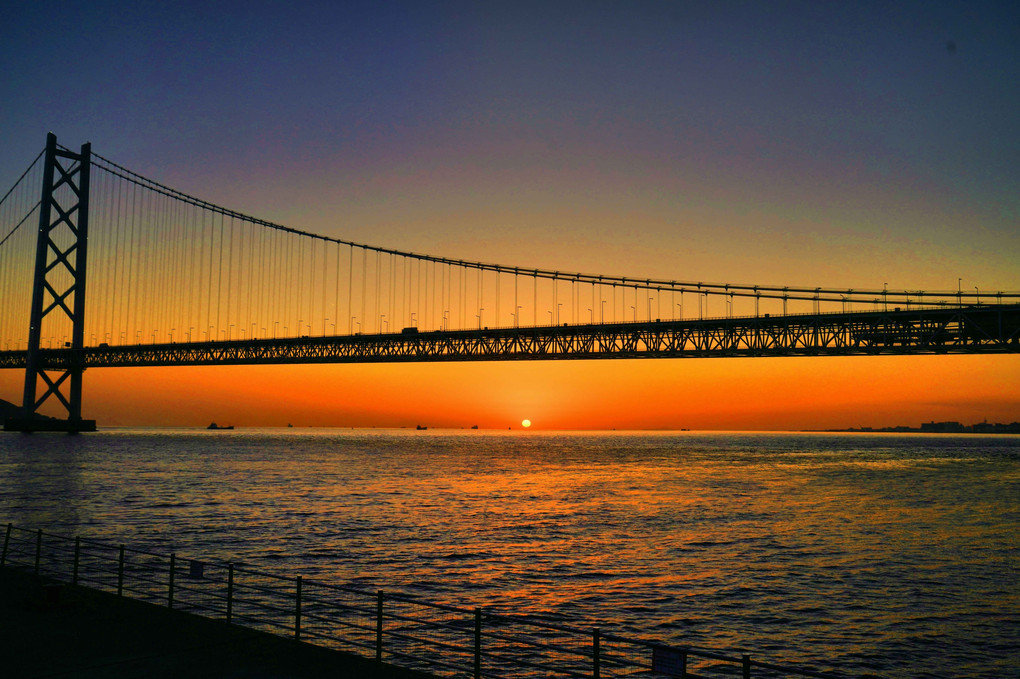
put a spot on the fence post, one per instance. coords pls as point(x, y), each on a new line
point(77, 559)
point(378, 626)
point(170, 594)
point(38, 550)
point(297, 611)
point(120, 572)
point(746, 661)
point(478, 643)
point(230, 592)
point(7, 541)
point(595, 653)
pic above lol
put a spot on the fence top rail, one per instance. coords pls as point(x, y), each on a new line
point(418, 601)
point(111, 546)
point(533, 622)
point(344, 588)
point(264, 574)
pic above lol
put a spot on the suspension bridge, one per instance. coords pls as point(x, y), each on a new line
point(174, 280)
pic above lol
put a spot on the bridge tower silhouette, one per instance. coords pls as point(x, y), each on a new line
point(58, 287)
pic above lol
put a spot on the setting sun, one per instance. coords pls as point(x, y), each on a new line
point(526, 423)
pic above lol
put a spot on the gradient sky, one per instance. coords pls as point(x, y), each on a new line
point(790, 143)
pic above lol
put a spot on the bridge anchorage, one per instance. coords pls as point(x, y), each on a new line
point(174, 280)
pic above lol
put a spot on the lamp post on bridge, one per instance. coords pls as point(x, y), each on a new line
point(479, 316)
point(325, 321)
point(602, 312)
point(634, 309)
point(172, 335)
point(977, 296)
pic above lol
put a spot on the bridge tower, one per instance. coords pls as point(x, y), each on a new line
point(58, 288)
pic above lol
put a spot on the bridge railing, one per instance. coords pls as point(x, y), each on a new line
point(391, 627)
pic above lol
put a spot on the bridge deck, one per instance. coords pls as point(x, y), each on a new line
point(970, 330)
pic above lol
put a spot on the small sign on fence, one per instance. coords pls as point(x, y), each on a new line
point(669, 661)
point(195, 569)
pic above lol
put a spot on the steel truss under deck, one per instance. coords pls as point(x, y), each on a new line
point(986, 329)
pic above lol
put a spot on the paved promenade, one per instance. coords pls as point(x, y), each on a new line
point(64, 631)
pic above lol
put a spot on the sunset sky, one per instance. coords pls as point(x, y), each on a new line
point(792, 143)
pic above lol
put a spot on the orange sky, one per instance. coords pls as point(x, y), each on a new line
point(732, 393)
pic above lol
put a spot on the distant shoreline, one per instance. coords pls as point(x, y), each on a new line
point(936, 428)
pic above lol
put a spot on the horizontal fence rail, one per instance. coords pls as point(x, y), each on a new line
point(390, 627)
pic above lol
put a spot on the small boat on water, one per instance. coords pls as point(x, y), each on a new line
point(421, 428)
point(216, 426)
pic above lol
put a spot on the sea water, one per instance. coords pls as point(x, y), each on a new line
point(894, 555)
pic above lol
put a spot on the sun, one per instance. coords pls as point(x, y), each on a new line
point(525, 423)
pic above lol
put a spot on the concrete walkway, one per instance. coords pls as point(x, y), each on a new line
point(64, 631)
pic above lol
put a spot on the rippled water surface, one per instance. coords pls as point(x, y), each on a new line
point(890, 555)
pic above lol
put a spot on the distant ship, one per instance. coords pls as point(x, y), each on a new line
point(216, 426)
point(421, 428)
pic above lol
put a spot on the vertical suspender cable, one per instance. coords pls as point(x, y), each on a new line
point(350, 289)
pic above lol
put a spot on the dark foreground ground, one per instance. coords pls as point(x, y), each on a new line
point(64, 631)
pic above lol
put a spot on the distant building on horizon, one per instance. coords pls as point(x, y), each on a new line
point(942, 427)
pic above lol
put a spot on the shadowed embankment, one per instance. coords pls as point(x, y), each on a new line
point(52, 630)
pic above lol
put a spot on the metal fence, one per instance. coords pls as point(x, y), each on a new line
point(394, 628)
